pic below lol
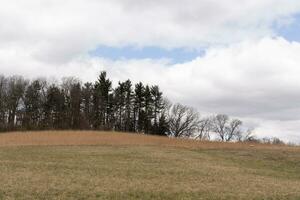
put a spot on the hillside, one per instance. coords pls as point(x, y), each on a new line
point(108, 165)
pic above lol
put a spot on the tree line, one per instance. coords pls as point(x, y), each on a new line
point(141, 108)
point(39, 105)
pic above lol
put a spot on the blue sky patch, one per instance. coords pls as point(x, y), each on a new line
point(178, 55)
point(292, 31)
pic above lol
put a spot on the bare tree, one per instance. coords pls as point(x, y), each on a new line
point(233, 129)
point(71, 90)
point(219, 125)
point(246, 136)
point(225, 128)
point(15, 93)
point(204, 128)
point(183, 121)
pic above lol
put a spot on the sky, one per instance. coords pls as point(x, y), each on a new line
point(239, 57)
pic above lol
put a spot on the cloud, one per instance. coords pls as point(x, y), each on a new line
point(59, 31)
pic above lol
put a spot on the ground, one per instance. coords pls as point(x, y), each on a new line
point(108, 165)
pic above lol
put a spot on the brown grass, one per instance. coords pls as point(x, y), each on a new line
point(113, 166)
point(66, 138)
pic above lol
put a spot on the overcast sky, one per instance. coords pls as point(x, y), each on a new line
point(239, 57)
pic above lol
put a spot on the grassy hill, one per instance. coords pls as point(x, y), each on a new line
point(106, 165)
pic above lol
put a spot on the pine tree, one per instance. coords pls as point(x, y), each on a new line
point(102, 110)
point(119, 97)
point(33, 105)
point(163, 125)
point(55, 108)
point(138, 107)
point(148, 106)
point(157, 106)
point(75, 101)
point(128, 106)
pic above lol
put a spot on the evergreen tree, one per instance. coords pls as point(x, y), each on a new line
point(33, 106)
point(110, 112)
point(163, 125)
point(119, 97)
point(157, 106)
point(55, 108)
point(75, 102)
point(128, 106)
point(139, 100)
point(148, 109)
point(102, 109)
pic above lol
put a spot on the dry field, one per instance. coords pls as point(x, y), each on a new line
point(108, 165)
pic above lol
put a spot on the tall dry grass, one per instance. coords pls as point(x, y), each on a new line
point(65, 138)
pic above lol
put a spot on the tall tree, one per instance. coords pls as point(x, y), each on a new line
point(139, 101)
point(75, 101)
point(103, 87)
point(163, 125)
point(119, 101)
point(128, 106)
point(55, 108)
point(204, 128)
point(68, 83)
point(87, 99)
point(148, 106)
point(15, 93)
point(158, 106)
point(33, 105)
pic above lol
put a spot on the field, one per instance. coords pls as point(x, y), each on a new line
point(108, 165)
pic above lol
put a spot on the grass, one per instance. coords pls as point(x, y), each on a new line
point(103, 165)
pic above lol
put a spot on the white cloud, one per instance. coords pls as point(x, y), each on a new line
point(58, 31)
